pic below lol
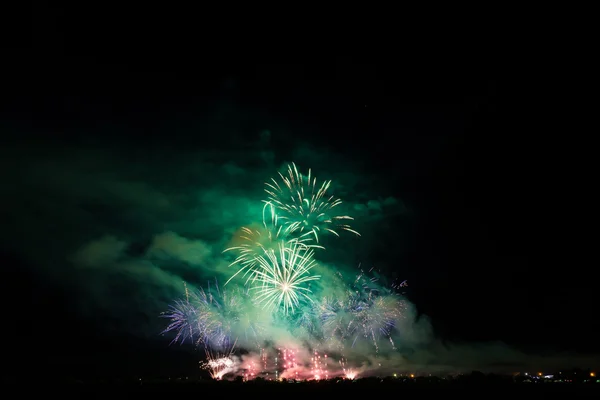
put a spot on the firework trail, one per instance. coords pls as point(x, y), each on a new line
point(303, 207)
point(280, 281)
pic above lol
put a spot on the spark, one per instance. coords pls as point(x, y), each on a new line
point(218, 364)
point(319, 366)
point(214, 317)
point(276, 261)
point(367, 311)
point(255, 242)
point(280, 279)
point(305, 208)
point(184, 320)
point(349, 373)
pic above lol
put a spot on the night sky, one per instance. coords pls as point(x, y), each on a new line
point(124, 176)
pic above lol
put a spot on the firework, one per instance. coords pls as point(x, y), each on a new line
point(303, 207)
point(219, 364)
point(288, 357)
point(349, 373)
point(249, 371)
point(377, 309)
point(377, 317)
point(227, 314)
point(255, 242)
point(277, 264)
point(281, 278)
point(285, 361)
point(184, 321)
point(186, 316)
point(367, 311)
point(306, 323)
point(338, 319)
point(218, 367)
point(319, 366)
point(214, 317)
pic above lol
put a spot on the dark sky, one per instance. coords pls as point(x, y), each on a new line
point(483, 226)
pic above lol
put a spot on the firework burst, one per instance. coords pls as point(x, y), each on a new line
point(377, 318)
point(281, 279)
point(219, 364)
point(255, 242)
point(338, 319)
point(349, 373)
point(222, 312)
point(215, 317)
point(304, 208)
point(367, 312)
point(306, 323)
point(184, 319)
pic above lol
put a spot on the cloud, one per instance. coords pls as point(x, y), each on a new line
point(104, 251)
point(169, 244)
